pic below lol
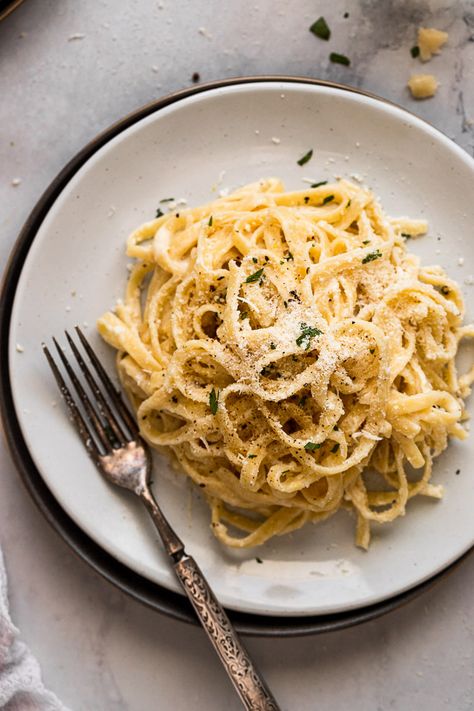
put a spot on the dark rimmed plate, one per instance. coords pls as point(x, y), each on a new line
point(137, 586)
point(7, 6)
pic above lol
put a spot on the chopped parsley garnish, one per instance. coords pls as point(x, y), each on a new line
point(371, 256)
point(335, 448)
point(415, 51)
point(405, 235)
point(251, 456)
point(210, 221)
point(320, 29)
point(272, 346)
point(306, 336)
point(366, 241)
point(306, 199)
point(328, 198)
point(339, 59)
point(254, 260)
point(317, 185)
point(167, 200)
point(295, 295)
point(289, 257)
point(244, 315)
point(311, 446)
point(304, 159)
point(213, 400)
point(159, 213)
point(442, 289)
point(302, 401)
point(254, 277)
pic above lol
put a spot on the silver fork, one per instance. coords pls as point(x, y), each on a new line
point(111, 437)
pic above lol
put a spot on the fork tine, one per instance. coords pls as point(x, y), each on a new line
point(102, 403)
point(77, 418)
point(108, 385)
point(97, 425)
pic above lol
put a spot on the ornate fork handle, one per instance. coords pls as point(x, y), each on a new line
point(249, 685)
point(251, 688)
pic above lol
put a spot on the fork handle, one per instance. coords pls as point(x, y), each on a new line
point(248, 683)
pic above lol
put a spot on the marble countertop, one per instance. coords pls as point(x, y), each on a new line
point(68, 70)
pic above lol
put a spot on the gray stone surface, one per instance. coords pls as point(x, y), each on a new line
point(67, 70)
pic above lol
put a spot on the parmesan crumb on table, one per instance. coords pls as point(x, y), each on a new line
point(461, 261)
point(76, 36)
point(19, 348)
point(16, 182)
point(430, 42)
point(422, 86)
point(275, 140)
point(205, 32)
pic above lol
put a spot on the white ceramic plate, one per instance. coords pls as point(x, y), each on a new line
point(76, 269)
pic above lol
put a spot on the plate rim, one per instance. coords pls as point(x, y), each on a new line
point(135, 585)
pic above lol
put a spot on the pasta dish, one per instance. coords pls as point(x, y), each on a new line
point(292, 356)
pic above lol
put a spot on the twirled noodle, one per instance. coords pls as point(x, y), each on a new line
point(281, 345)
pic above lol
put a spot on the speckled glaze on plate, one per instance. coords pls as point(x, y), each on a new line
point(75, 268)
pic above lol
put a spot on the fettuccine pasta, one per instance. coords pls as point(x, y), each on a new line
point(292, 356)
